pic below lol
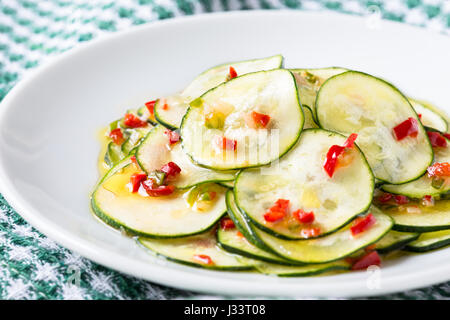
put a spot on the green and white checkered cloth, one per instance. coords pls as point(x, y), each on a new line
point(32, 266)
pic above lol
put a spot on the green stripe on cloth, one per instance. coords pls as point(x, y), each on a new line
point(32, 266)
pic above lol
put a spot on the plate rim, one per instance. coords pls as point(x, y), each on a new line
point(185, 279)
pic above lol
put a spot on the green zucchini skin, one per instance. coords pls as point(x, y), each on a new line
point(422, 152)
point(161, 120)
point(121, 226)
point(188, 124)
point(305, 135)
point(395, 244)
point(442, 239)
point(302, 271)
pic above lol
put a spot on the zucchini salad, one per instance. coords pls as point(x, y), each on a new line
point(289, 172)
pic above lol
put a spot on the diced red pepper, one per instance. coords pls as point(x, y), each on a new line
point(428, 201)
point(154, 190)
point(436, 139)
point(399, 199)
point(117, 136)
point(165, 106)
point(408, 128)
point(385, 197)
point(132, 121)
point(362, 224)
point(171, 169)
point(447, 135)
point(203, 259)
point(277, 211)
point(136, 179)
point(226, 144)
point(304, 217)
point(311, 232)
point(370, 248)
point(334, 152)
point(133, 159)
point(370, 259)
point(232, 73)
point(174, 137)
point(260, 119)
point(239, 234)
point(151, 106)
point(420, 116)
point(439, 169)
point(227, 223)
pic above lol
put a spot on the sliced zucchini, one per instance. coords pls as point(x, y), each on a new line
point(231, 241)
point(395, 240)
point(219, 114)
point(185, 250)
point(170, 111)
point(309, 119)
point(144, 113)
point(424, 185)
point(155, 151)
point(309, 82)
point(429, 118)
point(357, 102)
point(301, 271)
point(430, 241)
point(113, 154)
point(228, 184)
point(157, 217)
point(135, 137)
point(300, 178)
point(417, 217)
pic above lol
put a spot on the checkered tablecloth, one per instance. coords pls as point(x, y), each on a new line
point(32, 266)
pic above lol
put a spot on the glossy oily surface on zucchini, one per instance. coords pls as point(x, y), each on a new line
point(425, 185)
point(156, 150)
point(430, 241)
point(169, 111)
point(355, 99)
point(335, 246)
point(416, 216)
point(302, 271)
point(160, 217)
point(300, 178)
point(198, 251)
point(395, 240)
point(428, 117)
point(220, 131)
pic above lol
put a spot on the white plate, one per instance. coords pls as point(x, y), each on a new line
point(48, 126)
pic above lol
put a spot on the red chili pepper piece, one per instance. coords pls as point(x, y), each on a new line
point(151, 106)
point(239, 234)
point(227, 223)
point(436, 139)
point(232, 74)
point(362, 224)
point(174, 137)
point(260, 119)
point(277, 211)
point(447, 135)
point(117, 136)
point(370, 259)
point(408, 128)
point(420, 116)
point(440, 169)
point(153, 190)
point(311, 232)
point(399, 199)
point(203, 259)
point(226, 144)
point(304, 217)
point(165, 106)
point(334, 153)
point(171, 169)
point(136, 179)
point(132, 121)
point(133, 159)
point(385, 197)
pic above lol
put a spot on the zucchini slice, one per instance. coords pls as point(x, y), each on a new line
point(156, 217)
point(170, 111)
point(333, 247)
point(357, 102)
point(430, 241)
point(135, 137)
point(113, 154)
point(301, 271)
point(309, 82)
point(221, 114)
point(424, 185)
point(300, 178)
point(429, 118)
point(309, 118)
point(185, 250)
point(395, 240)
point(155, 151)
point(228, 184)
point(417, 217)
